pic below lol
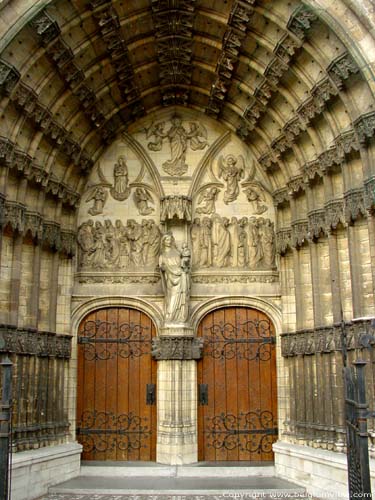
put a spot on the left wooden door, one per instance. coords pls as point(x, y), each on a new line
point(116, 394)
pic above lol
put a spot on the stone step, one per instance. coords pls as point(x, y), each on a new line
point(173, 488)
point(151, 469)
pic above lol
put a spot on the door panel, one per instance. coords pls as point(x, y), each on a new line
point(239, 421)
point(114, 420)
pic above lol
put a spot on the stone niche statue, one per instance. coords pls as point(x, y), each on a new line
point(175, 275)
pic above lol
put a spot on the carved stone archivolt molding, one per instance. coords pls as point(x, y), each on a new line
point(45, 232)
point(236, 277)
point(114, 278)
point(34, 343)
point(183, 348)
point(326, 339)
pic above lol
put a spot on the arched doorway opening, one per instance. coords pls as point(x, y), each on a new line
point(116, 413)
point(237, 412)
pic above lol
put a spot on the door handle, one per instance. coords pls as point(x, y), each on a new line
point(150, 394)
point(203, 394)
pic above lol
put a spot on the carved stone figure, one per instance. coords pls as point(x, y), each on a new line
point(175, 280)
point(116, 247)
point(175, 206)
point(179, 139)
point(256, 197)
point(248, 243)
point(207, 198)
point(120, 190)
point(232, 170)
point(142, 198)
point(220, 238)
point(99, 195)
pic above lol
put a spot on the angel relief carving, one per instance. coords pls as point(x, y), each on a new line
point(98, 194)
point(142, 198)
point(207, 199)
point(232, 170)
point(179, 138)
point(256, 197)
point(120, 191)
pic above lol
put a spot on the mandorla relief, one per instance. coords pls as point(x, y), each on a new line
point(120, 190)
point(174, 268)
point(118, 247)
point(179, 138)
point(220, 242)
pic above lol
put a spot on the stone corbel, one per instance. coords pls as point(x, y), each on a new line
point(341, 68)
point(300, 21)
point(14, 215)
point(45, 27)
point(334, 214)
point(369, 193)
point(183, 348)
point(365, 126)
point(283, 240)
point(317, 223)
point(300, 232)
point(354, 205)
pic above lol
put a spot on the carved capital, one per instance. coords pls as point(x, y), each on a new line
point(14, 215)
point(267, 159)
point(175, 206)
point(365, 126)
point(51, 235)
point(301, 20)
point(347, 142)
point(300, 232)
point(45, 27)
point(341, 68)
point(369, 193)
point(68, 242)
point(312, 169)
point(295, 185)
point(283, 240)
point(9, 77)
point(34, 224)
point(281, 196)
point(317, 223)
point(323, 91)
point(334, 214)
point(354, 202)
point(177, 348)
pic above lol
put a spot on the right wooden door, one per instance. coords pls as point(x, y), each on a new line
point(237, 412)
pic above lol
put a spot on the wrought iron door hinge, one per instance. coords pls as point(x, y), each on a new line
point(203, 394)
point(150, 394)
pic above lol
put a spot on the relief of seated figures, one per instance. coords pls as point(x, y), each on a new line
point(220, 242)
point(118, 247)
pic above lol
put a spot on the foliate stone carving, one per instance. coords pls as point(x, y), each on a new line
point(241, 15)
point(341, 68)
point(264, 92)
point(142, 197)
point(45, 27)
point(369, 193)
point(365, 126)
point(281, 196)
point(296, 184)
point(347, 142)
point(68, 242)
point(114, 278)
point(34, 224)
point(177, 348)
point(248, 243)
point(309, 109)
point(282, 143)
point(267, 160)
point(235, 277)
point(14, 215)
point(330, 157)
point(354, 205)
point(6, 149)
point(118, 247)
point(34, 343)
point(300, 232)
point(176, 96)
point(301, 20)
point(283, 240)
point(244, 130)
point(175, 266)
point(323, 91)
point(231, 170)
point(9, 77)
point(207, 199)
point(175, 206)
point(334, 214)
point(286, 47)
point(293, 128)
point(52, 235)
point(275, 70)
point(254, 111)
point(311, 169)
point(317, 223)
point(179, 138)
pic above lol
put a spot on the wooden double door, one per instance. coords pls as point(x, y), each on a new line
point(237, 412)
point(116, 413)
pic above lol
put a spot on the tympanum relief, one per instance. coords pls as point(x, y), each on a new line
point(180, 136)
point(119, 246)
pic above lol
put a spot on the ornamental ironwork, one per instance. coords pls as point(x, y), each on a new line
point(103, 340)
point(105, 431)
point(251, 340)
point(252, 432)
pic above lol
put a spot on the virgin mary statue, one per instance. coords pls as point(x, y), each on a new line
point(175, 280)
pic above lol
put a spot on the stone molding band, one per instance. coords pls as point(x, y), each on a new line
point(32, 342)
point(359, 334)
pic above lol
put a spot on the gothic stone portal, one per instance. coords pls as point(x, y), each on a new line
point(116, 414)
point(237, 416)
